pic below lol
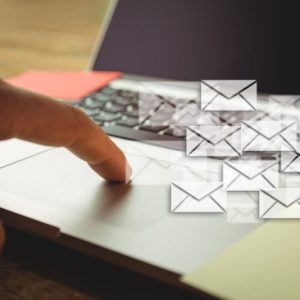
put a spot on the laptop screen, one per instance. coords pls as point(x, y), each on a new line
point(205, 39)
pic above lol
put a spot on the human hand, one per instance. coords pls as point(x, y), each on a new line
point(42, 120)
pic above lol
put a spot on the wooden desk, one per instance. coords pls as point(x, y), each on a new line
point(53, 34)
point(58, 34)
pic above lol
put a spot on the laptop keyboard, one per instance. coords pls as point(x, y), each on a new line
point(117, 111)
point(114, 107)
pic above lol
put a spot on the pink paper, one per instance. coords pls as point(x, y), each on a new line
point(63, 84)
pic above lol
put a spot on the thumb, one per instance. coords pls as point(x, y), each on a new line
point(2, 236)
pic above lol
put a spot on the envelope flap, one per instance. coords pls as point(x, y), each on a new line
point(198, 190)
point(244, 208)
point(186, 114)
point(250, 168)
point(286, 196)
point(212, 133)
point(268, 129)
point(228, 88)
point(284, 99)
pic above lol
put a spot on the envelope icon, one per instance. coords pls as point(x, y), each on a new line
point(223, 95)
point(156, 110)
point(191, 114)
point(242, 207)
point(213, 140)
point(159, 101)
point(250, 175)
point(166, 164)
point(290, 161)
point(282, 203)
point(283, 101)
point(198, 197)
point(269, 135)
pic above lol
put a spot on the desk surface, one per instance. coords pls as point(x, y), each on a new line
point(47, 34)
point(58, 35)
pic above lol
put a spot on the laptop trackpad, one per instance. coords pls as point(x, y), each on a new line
point(59, 179)
point(132, 207)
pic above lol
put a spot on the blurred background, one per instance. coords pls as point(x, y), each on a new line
point(55, 34)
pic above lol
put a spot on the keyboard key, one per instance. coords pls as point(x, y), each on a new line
point(89, 111)
point(107, 117)
point(101, 97)
point(108, 91)
point(122, 101)
point(160, 117)
point(150, 104)
point(90, 103)
point(133, 113)
point(129, 122)
point(114, 108)
point(127, 94)
point(178, 132)
point(153, 128)
point(167, 109)
point(99, 123)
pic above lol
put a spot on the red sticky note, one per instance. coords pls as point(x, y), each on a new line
point(63, 84)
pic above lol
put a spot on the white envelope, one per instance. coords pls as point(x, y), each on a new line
point(222, 95)
point(213, 140)
point(276, 102)
point(250, 175)
point(290, 161)
point(269, 135)
point(282, 203)
point(191, 114)
point(197, 197)
point(242, 207)
point(159, 101)
point(149, 160)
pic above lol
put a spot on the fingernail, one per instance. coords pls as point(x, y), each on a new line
point(128, 171)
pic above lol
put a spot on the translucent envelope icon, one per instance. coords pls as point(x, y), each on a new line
point(166, 164)
point(213, 140)
point(242, 207)
point(159, 101)
point(269, 135)
point(250, 175)
point(290, 161)
point(282, 203)
point(283, 101)
point(198, 197)
point(222, 95)
point(191, 114)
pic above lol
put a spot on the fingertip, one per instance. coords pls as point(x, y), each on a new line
point(113, 170)
point(128, 172)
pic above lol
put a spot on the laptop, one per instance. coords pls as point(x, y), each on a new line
point(52, 194)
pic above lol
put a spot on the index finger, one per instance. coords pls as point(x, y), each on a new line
point(39, 119)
